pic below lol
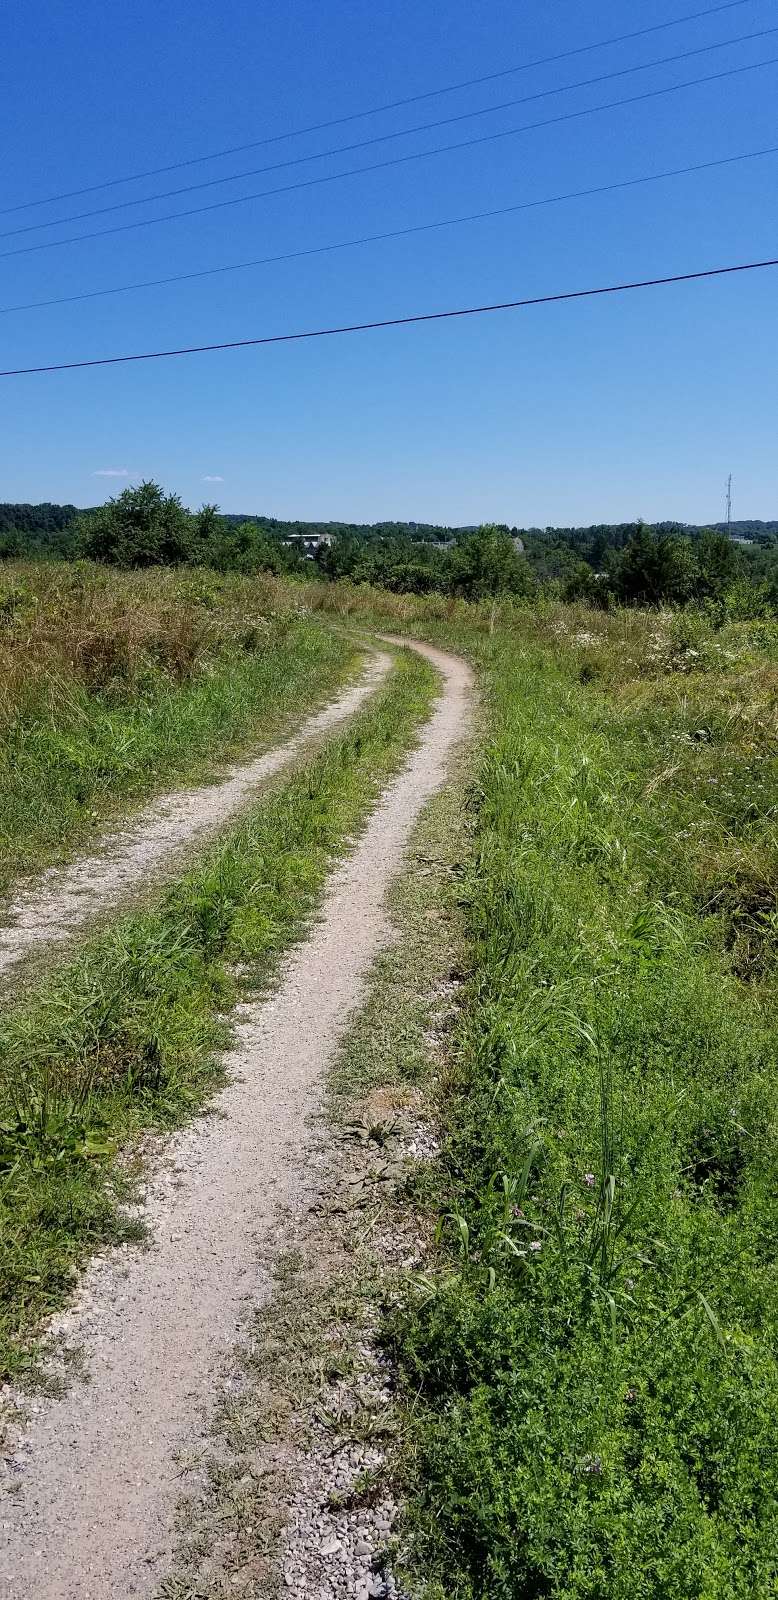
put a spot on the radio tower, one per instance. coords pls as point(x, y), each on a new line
point(729, 504)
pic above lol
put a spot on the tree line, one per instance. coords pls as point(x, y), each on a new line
point(145, 527)
point(627, 564)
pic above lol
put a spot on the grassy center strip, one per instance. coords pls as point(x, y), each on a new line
point(126, 1037)
point(296, 1483)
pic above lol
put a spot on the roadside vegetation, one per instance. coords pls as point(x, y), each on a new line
point(115, 683)
point(125, 1036)
point(589, 1356)
point(733, 571)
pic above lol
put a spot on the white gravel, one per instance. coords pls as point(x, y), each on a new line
point(64, 899)
point(92, 1516)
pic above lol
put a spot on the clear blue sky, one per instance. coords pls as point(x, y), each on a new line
point(603, 410)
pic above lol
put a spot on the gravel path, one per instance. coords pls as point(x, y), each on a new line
point(65, 898)
point(92, 1516)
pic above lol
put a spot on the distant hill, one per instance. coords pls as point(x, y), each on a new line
point(44, 518)
point(419, 532)
point(45, 530)
point(45, 521)
point(747, 530)
point(616, 533)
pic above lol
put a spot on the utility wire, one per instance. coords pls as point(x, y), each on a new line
point(392, 105)
point(393, 322)
point(393, 161)
point(395, 233)
point(384, 138)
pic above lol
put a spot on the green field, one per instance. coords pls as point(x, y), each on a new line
point(590, 1358)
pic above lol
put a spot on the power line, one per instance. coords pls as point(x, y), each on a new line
point(393, 322)
point(384, 138)
point(394, 233)
point(392, 105)
point(393, 161)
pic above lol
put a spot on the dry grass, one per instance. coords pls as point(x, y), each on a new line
point(103, 630)
point(113, 684)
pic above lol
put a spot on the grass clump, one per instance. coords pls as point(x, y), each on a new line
point(125, 1037)
point(113, 683)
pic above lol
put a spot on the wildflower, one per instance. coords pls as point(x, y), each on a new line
point(536, 1245)
point(589, 1180)
point(516, 1211)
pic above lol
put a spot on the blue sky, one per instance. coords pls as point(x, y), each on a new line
point(602, 410)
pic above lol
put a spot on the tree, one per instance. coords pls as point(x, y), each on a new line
point(142, 527)
point(205, 530)
point(583, 584)
point(651, 569)
point(716, 564)
point(487, 563)
point(11, 545)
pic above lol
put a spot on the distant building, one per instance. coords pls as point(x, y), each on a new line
point(309, 544)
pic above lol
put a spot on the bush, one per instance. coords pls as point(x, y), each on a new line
point(487, 563)
point(143, 527)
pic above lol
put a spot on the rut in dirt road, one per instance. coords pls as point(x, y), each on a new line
point(63, 900)
point(93, 1516)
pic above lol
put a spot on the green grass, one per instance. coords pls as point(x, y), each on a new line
point(115, 684)
point(590, 1361)
point(593, 1418)
point(126, 1036)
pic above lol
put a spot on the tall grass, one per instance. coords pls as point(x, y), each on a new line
point(590, 1360)
point(112, 684)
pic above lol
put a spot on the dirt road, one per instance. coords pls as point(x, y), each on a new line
point(63, 900)
point(92, 1518)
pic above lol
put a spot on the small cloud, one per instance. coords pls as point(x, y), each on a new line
point(212, 477)
point(111, 472)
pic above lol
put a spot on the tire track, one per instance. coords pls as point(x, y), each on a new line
point(64, 899)
point(92, 1518)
